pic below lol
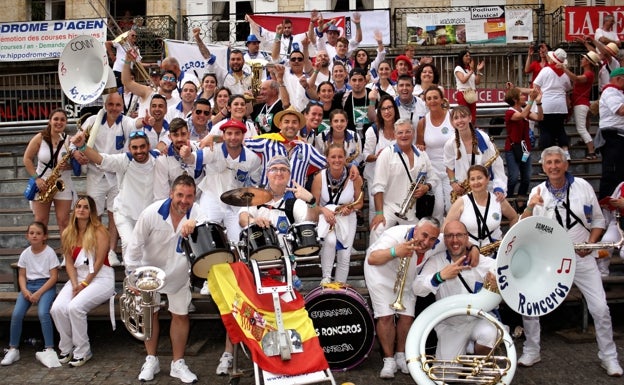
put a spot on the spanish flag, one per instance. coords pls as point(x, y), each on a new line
point(249, 316)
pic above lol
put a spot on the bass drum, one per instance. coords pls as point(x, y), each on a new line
point(344, 325)
point(260, 243)
point(208, 245)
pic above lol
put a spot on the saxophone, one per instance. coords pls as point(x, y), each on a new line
point(490, 248)
point(338, 209)
point(53, 183)
point(465, 184)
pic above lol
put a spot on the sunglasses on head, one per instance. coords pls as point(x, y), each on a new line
point(205, 112)
point(137, 134)
point(296, 59)
point(316, 103)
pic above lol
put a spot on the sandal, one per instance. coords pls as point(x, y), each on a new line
point(591, 156)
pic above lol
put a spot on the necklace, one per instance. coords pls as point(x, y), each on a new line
point(559, 193)
point(334, 184)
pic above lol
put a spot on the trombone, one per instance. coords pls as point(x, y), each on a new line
point(122, 39)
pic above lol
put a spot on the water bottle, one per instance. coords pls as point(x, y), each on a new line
point(296, 282)
point(32, 341)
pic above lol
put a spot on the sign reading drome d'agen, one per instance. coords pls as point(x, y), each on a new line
point(44, 40)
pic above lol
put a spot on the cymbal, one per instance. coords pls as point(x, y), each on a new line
point(246, 196)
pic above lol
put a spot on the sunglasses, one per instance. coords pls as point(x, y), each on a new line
point(316, 103)
point(169, 78)
point(205, 112)
point(296, 59)
point(137, 134)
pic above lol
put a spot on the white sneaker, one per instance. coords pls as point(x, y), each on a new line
point(529, 359)
point(76, 362)
point(612, 367)
point(399, 358)
point(113, 260)
point(325, 281)
point(389, 368)
point(225, 362)
point(150, 367)
point(48, 358)
point(205, 290)
point(66, 357)
point(10, 357)
point(181, 371)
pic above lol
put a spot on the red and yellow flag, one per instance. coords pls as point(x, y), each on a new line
point(249, 316)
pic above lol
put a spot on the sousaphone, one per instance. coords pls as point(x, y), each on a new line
point(83, 70)
point(534, 272)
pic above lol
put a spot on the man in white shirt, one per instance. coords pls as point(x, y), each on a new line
point(166, 88)
point(155, 242)
point(184, 108)
point(607, 34)
point(135, 175)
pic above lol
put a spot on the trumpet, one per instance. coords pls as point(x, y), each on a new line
point(410, 198)
point(399, 284)
point(338, 209)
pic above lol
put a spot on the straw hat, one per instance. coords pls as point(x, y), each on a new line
point(277, 119)
point(612, 49)
point(592, 57)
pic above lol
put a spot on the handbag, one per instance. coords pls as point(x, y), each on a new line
point(470, 96)
point(31, 189)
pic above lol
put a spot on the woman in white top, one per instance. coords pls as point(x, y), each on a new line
point(480, 211)
point(468, 77)
point(384, 83)
point(51, 141)
point(339, 134)
point(332, 188)
point(208, 88)
point(432, 133)
point(426, 76)
point(377, 137)
point(470, 147)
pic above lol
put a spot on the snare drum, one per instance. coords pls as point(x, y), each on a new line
point(260, 243)
point(304, 239)
point(208, 245)
point(344, 325)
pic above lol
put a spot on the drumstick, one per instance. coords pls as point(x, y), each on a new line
point(95, 128)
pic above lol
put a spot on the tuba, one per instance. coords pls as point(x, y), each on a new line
point(465, 184)
point(534, 272)
point(136, 309)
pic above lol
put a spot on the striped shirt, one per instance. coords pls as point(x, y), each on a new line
point(301, 156)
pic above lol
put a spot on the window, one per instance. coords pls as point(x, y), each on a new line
point(47, 10)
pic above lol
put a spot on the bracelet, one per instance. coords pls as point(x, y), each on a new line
point(82, 148)
point(316, 71)
point(472, 246)
point(528, 209)
point(371, 102)
point(356, 23)
point(393, 252)
point(278, 36)
point(538, 104)
point(378, 212)
point(125, 61)
point(35, 176)
point(530, 103)
point(438, 277)
point(454, 180)
point(84, 284)
point(312, 205)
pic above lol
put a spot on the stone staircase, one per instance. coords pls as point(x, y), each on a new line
point(15, 213)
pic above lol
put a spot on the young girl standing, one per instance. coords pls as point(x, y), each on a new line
point(38, 272)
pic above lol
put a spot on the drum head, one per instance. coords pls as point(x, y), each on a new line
point(201, 266)
point(344, 325)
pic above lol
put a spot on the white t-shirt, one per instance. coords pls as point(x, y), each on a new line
point(38, 265)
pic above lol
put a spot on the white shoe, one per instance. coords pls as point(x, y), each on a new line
point(389, 368)
point(325, 281)
point(401, 364)
point(66, 357)
point(612, 367)
point(113, 260)
point(225, 362)
point(181, 371)
point(529, 359)
point(10, 357)
point(205, 290)
point(150, 367)
point(76, 362)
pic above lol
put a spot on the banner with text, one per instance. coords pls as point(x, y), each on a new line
point(478, 25)
point(44, 40)
point(191, 59)
point(583, 21)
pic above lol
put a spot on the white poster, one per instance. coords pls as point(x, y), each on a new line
point(191, 59)
point(519, 26)
point(44, 40)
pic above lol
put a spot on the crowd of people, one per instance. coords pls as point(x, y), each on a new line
point(311, 135)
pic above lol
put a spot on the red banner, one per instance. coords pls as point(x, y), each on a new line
point(583, 21)
point(299, 24)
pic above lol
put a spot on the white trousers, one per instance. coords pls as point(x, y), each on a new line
point(125, 227)
point(453, 337)
point(587, 279)
point(70, 313)
point(222, 214)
